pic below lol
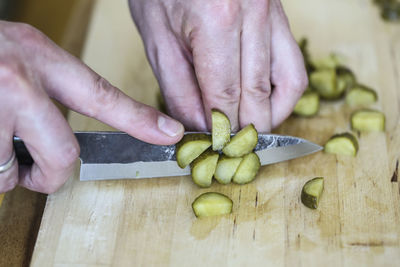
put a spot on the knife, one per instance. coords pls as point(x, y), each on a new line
point(117, 155)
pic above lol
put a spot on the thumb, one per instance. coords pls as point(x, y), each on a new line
point(84, 91)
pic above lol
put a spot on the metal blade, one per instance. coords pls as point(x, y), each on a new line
point(116, 155)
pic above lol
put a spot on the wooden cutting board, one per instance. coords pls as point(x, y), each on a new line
point(150, 222)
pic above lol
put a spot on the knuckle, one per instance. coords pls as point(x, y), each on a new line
point(49, 188)
point(105, 96)
point(28, 35)
point(9, 72)
point(225, 13)
point(229, 94)
point(259, 91)
point(8, 185)
point(68, 156)
point(299, 84)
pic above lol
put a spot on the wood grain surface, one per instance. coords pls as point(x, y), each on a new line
point(150, 222)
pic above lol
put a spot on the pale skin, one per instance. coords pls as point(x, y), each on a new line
point(205, 54)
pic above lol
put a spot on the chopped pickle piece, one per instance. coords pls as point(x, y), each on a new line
point(345, 77)
point(212, 204)
point(221, 130)
point(311, 192)
point(325, 84)
point(247, 169)
point(242, 143)
point(329, 62)
point(190, 147)
point(203, 168)
point(361, 96)
point(342, 144)
point(308, 105)
point(226, 168)
point(368, 120)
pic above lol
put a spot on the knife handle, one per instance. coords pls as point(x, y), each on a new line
point(21, 152)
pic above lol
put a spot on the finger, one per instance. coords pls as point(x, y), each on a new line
point(178, 82)
point(49, 140)
point(8, 178)
point(84, 91)
point(255, 106)
point(216, 57)
point(289, 76)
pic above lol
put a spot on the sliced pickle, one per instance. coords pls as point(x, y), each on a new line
point(361, 95)
point(226, 168)
point(203, 168)
point(324, 82)
point(311, 192)
point(248, 169)
point(308, 105)
point(330, 62)
point(212, 204)
point(221, 130)
point(342, 144)
point(242, 143)
point(368, 120)
point(190, 147)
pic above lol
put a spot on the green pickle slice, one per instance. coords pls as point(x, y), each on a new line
point(212, 204)
point(361, 95)
point(190, 147)
point(308, 105)
point(221, 130)
point(248, 169)
point(324, 82)
point(342, 144)
point(226, 168)
point(242, 143)
point(311, 192)
point(203, 168)
point(368, 120)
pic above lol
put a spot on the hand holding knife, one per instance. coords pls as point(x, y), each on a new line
point(117, 155)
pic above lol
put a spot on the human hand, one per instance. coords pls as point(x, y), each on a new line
point(33, 70)
point(222, 54)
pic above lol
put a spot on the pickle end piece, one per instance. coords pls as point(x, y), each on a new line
point(212, 204)
point(342, 144)
point(248, 169)
point(226, 168)
point(311, 192)
point(308, 105)
point(368, 120)
point(242, 143)
point(203, 168)
point(190, 147)
point(325, 84)
point(221, 130)
point(330, 62)
point(361, 96)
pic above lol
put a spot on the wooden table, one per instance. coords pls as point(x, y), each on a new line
point(150, 222)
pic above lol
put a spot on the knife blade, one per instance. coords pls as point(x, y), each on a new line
point(117, 155)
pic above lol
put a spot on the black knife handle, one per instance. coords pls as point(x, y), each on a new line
point(21, 152)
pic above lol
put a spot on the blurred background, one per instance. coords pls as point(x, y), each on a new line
point(65, 22)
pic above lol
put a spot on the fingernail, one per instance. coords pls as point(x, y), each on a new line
point(169, 126)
